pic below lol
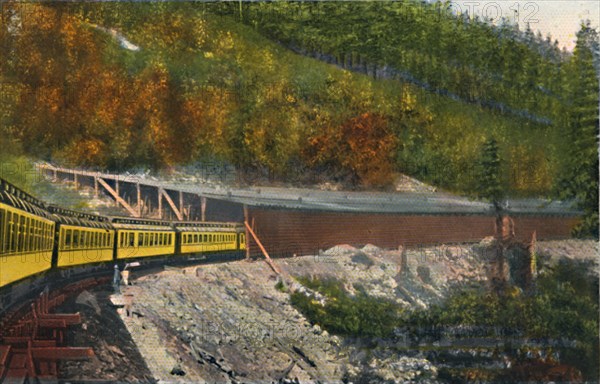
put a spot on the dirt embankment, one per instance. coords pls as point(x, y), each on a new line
point(229, 322)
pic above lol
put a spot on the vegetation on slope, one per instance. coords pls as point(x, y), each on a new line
point(561, 314)
point(202, 87)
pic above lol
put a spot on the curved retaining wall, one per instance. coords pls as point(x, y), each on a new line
point(288, 232)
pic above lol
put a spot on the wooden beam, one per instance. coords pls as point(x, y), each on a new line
point(62, 353)
point(118, 198)
point(264, 251)
point(203, 208)
point(180, 203)
point(160, 192)
point(172, 204)
point(96, 186)
point(247, 234)
point(139, 199)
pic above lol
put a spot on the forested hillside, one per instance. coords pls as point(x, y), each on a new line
point(410, 93)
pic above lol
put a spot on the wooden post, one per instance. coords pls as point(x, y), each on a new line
point(160, 192)
point(180, 203)
point(118, 198)
point(117, 187)
point(262, 248)
point(247, 233)
point(139, 199)
point(75, 179)
point(203, 208)
point(96, 186)
point(177, 212)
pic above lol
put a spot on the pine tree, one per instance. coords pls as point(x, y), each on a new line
point(491, 186)
point(580, 178)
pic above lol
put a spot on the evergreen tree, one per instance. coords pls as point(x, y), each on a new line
point(491, 186)
point(580, 178)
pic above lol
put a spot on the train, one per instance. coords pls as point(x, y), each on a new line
point(39, 239)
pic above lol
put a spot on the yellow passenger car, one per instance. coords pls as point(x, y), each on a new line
point(210, 237)
point(26, 235)
point(143, 238)
point(82, 238)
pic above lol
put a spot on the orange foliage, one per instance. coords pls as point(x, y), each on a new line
point(362, 147)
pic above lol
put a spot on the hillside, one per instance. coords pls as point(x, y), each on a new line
point(233, 322)
point(193, 84)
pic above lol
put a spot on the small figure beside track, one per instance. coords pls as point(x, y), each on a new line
point(117, 279)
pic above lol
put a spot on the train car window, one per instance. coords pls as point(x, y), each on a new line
point(2, 229)
point(25, 232)
point(170, 242)
point(140, 241)
point(131, 242)
point(50, 236)
point(44, 237)
point(121, 240)
point(68, 238)
point(36, 234)
point(151, 241)
point(195, 238)
point(75, 238)
point(29, 235)
point(32, 235)
point(10, 232)
point(200, 238)
point(22, 230)
point(45, 244)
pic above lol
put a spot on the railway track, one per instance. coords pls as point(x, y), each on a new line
point(48, 254)
point(33, 334)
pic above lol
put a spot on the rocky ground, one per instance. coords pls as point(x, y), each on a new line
point(229, 322)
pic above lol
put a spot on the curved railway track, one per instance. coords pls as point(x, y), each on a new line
point(48, 254)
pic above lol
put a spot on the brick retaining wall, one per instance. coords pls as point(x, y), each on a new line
point(288, 232)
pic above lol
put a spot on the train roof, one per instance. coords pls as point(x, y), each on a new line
point(138, 223)
point(16, 197)
point(195, 226)
point(70, 217)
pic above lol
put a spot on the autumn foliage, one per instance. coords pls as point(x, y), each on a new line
point(361, 150)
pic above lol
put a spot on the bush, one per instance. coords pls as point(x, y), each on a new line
point(344, 314)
